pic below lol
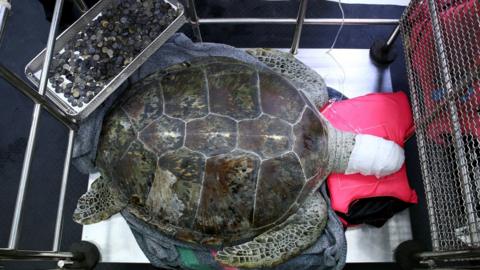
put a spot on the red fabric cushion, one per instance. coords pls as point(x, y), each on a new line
point(386, 115)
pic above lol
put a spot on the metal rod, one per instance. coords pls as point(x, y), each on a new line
point(30, 92)
point(458, 145)
point(422, 153)
point(63, 189)
point(64, 263)
point(80, 5)
point(13, 254)
point(14, 231)
point(4, 10)
point(449, 254)
point(294, 21)
point(192, 10)
point(302, 9)
point(392, 37)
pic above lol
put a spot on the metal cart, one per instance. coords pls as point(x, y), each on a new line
point(442, 50)
point(84, 255)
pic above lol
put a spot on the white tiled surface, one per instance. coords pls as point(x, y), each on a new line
point(365, 243)
point(370, 244)
point(113, 238)
point(349, 71)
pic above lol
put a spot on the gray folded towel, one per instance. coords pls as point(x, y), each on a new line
point(328, 253)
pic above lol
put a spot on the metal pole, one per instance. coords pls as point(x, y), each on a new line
point(30, 92)
point(421, 138)
point(8, 254)
point(64, 263)
point(63, 189)
point(194, 20)
point(4, 9)
point(473, 253)
point(80, 5)
point(14, 233)
point(458, 141)
point(306, 21)
point(298, 27)
point(392, 37)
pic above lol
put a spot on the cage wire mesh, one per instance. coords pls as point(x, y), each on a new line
point(442, 50)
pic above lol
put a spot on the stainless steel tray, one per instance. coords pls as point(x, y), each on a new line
point(33, 69)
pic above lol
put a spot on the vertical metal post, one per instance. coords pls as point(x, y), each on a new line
point(80, 5)
point(14, 233)
point(192, 13)
point(419, 131)
point(63, 190)
point(393, 36)
point(35, 255)
point(4, 9)
point(298, 27)
point(458, 142)
point(32, 93)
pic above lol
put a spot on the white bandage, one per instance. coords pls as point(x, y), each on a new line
point(6, 4)
point(372, 155)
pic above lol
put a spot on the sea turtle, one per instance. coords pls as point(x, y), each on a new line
point(223, 153)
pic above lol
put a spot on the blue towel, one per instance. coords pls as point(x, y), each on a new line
point(328, 253)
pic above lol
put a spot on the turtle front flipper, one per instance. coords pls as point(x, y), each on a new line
point(351, 153)
point(282, 242)
point(97, 204)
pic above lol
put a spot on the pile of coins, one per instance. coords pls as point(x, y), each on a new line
point(109, 43)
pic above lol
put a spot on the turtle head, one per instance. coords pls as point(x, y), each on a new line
point(97, 204)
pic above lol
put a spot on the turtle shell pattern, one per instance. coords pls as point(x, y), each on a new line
point(214, 151)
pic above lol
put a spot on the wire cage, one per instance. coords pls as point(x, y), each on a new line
point(442, 51)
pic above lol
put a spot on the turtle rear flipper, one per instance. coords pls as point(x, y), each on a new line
point(97, 204)
point(282, 242)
